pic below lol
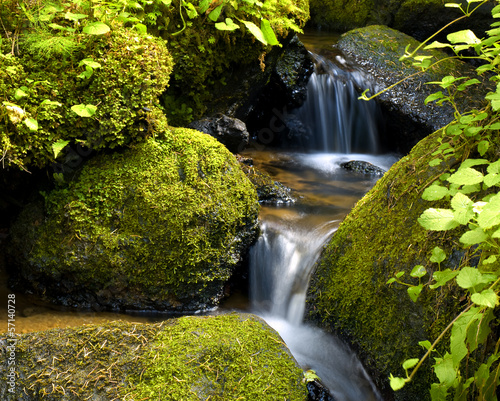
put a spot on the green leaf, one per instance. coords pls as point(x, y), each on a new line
point(485, 298)
point(391, 280)
point(462, 208)
point(489, 216)
point(415, 291)
point(469, 277)
point(491, 180)
point(473, 162)
point(397, 383)
point(491, 259)
point(190, 10)
point(229, 25)
point(473, 237)
point(410, 363)
point(465, 36)
point(204, 5)
point(141, 28)
point(466, 176)
point(437, 45)
point(418, 271)
point(494, 167)
point(96, 28)
point(84, 110)
point(437, 255)
point(90, 62)
point(49, 102)
point(215, 13)
point(268, 32)
point(75, 17)
point(425, 344)
point(442, 277)
point(438, 219)
point(255, 31)
point(483, 147)
point(434, 96)
point(434, 192)
point(167, 2)
point(19, 94)
point(310, 376)
point(444, 370)
point(31, 123)
point(435, 162)
point(58, 146)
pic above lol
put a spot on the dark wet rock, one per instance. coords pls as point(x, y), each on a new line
point(318, 392)
point(223, 357)
point(280, 79)
point(362, 167)
point(229, 131)
point(376, 50)
point(418, 18)
point(161, 226)
point(268, 191)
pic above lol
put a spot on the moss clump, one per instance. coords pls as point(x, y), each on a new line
point(161, 225)
point(379, 237)
point(189, 358)
point(341, 15)
point(220, 358)
point(134, 70)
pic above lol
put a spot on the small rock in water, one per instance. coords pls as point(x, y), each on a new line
point(363, 167)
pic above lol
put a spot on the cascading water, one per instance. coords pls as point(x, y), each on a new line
point(292, 238)
point(336, 120)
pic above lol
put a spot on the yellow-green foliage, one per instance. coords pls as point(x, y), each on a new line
point(227, 357)
point(134, 72)
point(205, 57)
point(165, 220)
point(380, 237)
point(183, 359)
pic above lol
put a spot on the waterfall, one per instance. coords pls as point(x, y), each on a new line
point(333, 116)
point(281, 264)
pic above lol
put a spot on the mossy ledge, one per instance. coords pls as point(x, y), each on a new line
point(348, 294)
point(225, 357)
point(160, 226)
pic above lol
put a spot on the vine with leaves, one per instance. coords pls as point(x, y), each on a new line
point(472, 193)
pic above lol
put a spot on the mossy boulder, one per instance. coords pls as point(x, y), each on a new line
point(377, 50)
point(381, 236)
point(417, 18)
point(129, 73)
point(224, 357)
point(159, 226)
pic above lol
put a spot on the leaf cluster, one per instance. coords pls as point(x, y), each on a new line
point(472, 193)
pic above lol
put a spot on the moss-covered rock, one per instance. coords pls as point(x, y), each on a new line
point(44, 85)
point(159, 226)
point(377, 50)
point(381, 236)
point(417, 18)
point(218, 357)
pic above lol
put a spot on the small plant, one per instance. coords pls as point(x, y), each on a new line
point(471, 193)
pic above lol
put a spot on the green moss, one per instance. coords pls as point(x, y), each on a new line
point(380, 237)
point(220, 358)
point(164, 222)
point(183, 359)
point(134, 72)
point(341, 15)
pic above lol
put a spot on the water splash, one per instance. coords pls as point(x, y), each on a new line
point(281, 264)
point(333, 116)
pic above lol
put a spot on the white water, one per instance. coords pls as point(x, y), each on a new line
point(292, 240)
point(335, 118)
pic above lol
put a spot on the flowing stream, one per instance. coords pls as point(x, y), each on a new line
point(292, 237)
